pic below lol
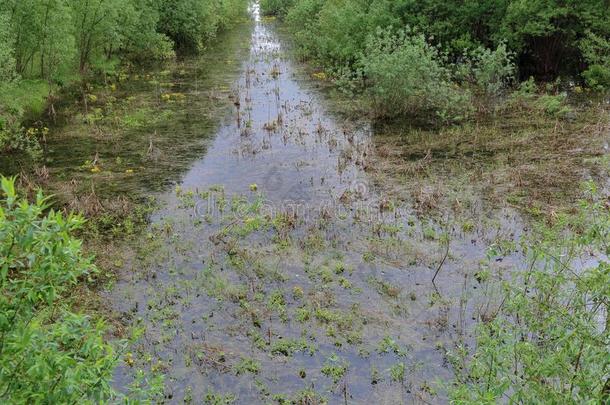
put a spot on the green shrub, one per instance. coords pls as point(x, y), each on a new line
point(406, 76)
point(141, 42)
point(48, 354)
point(548, 342)
point(597, 77)
point(275, 7)
point(334, 32)
point(529, 97)
point(19, 100)
point(303, 21)
point(596, 51)
point(549, 38)
point(553, 105)
point(14, 138)
point(191, 23)
point(492, 70)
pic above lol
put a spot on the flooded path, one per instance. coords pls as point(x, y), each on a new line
point(278, 270)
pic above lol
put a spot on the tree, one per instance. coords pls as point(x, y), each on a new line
point(40, 34)
point(96, 25)
point(55, 40)
point(140, 39)
point(7, 57)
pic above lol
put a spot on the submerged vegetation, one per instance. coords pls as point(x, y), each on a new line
point(46, 46)
point(214, 234)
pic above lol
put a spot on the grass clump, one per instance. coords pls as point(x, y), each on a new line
point(335, 368)
point(287, 347)
point(247, 365)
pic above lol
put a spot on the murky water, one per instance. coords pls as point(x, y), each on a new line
point(142, 132)
point(277, 270)
point(291, 260)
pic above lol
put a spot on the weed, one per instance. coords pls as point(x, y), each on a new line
point(397, 372)
point(247, 365)
point(213, 398)
point(335, 368)
point(389, 345)
point(287, 347)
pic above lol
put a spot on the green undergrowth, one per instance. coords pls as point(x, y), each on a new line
point(50, 349)
point(433, 62)
point(548, 340)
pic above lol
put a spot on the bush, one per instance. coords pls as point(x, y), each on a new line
point(140, 41)
point(548, 342)
point(597, 77)
point(47, 352)
point(276, 7)
point(492, 70)
point(191, 23)
point(406, 76)
point(21, 99)
point(303, 21)
point(334, 33)
point(529, 97)
point(553, 105)
point(596, 51)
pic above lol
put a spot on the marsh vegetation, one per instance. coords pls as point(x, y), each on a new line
point(304, 202)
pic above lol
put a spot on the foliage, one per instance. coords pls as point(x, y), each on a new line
point(596, 51)
point(97, 28)
point(407, 76)
point(7, 52)
point(141, 41)
point(452, 49)
point(53, 43)
point(528, 97)
point(24, 98)
point(47, 352)
point(547, 37)
point(275, 7)
point(191, 23)
point(40, 33)
point(302, 18)
point(549, 341)
point(492, 70)
point(546, 34)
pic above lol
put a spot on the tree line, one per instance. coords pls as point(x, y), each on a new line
point(433, 55)
point(549, 37)
point(47, 45)
point(48, 39)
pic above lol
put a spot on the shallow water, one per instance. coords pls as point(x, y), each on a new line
point(278, 249)
point(145, 129)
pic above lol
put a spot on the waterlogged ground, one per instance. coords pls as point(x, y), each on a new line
point(294, 254)
point(279, 270)
point(141, 129)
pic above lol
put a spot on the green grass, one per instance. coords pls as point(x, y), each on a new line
point(25, 97)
